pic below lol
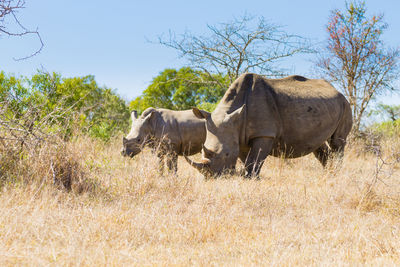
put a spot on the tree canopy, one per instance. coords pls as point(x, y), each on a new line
point(61, 104)
point(181, 89)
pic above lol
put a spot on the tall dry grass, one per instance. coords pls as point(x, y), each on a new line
point(121, 211)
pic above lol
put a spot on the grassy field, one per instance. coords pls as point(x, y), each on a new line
point(122, 212)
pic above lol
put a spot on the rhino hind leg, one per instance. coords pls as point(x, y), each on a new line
point(337, 144)
point(329, 154)
point(338, 140)
point(260, 148)
point(161, 163)
point(335, 150)
point(172, 162)
point(322, 154)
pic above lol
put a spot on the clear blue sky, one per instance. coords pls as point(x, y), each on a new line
point(109, 39)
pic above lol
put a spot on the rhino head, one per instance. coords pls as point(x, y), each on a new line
point(221, 148)
point(139, 134)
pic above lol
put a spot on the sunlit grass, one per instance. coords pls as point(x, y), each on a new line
point(296, 214)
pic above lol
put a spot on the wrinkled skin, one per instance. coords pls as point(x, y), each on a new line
point(288, 117)
point(170, 133)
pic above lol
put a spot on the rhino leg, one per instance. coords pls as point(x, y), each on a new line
point(243, 155)
point(172, 162)
point(260, 148)
point(322, 154)
point(337, 149)
point(338, 140)
point(243, 158)
point(337, 144)
point(161, 163)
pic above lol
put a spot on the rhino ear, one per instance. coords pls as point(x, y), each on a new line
point(134, 115)
point(149, 116)
point(235, 115)
point(124, 140)
point(201, 114)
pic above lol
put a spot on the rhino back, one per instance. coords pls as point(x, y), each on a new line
point(310, 111)
point(186, 132)
point(299, 113)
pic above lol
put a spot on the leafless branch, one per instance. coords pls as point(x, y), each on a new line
point(237, 47)
point(8, 11)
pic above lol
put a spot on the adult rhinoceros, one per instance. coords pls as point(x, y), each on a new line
point(170, 132)
point(288, 117)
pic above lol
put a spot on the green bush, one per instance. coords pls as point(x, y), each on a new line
point(60, 105)
point(387, 128)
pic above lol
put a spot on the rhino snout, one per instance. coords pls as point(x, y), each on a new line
point(126, 153)
point(130, 152)
point(123, 152)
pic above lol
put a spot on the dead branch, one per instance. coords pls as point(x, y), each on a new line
point(8, 12)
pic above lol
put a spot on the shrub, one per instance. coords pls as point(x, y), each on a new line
point(387, 128)
point(62, 105)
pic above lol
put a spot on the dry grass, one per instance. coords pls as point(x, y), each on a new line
point(297, 214)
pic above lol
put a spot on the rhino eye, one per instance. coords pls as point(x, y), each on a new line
point(226, 154)
point(138, 139)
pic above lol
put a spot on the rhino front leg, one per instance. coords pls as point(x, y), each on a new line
point(260, 148)
point(243, 158)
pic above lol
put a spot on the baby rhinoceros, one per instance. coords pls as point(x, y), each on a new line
point(169, 132)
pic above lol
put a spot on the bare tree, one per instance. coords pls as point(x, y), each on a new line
point(356, 59)
point(243, 45)
point(8, 12)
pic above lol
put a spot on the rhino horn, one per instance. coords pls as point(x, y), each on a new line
point(200, 166)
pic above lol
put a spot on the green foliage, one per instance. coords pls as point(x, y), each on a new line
point(391, 111)
point(387, 128)
point(181, 89)
point(108, 116)
point(13, 93)
point(207, 106)
point(63, 104)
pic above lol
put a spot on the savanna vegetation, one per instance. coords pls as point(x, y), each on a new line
point(121, 211)
point(69, 198)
